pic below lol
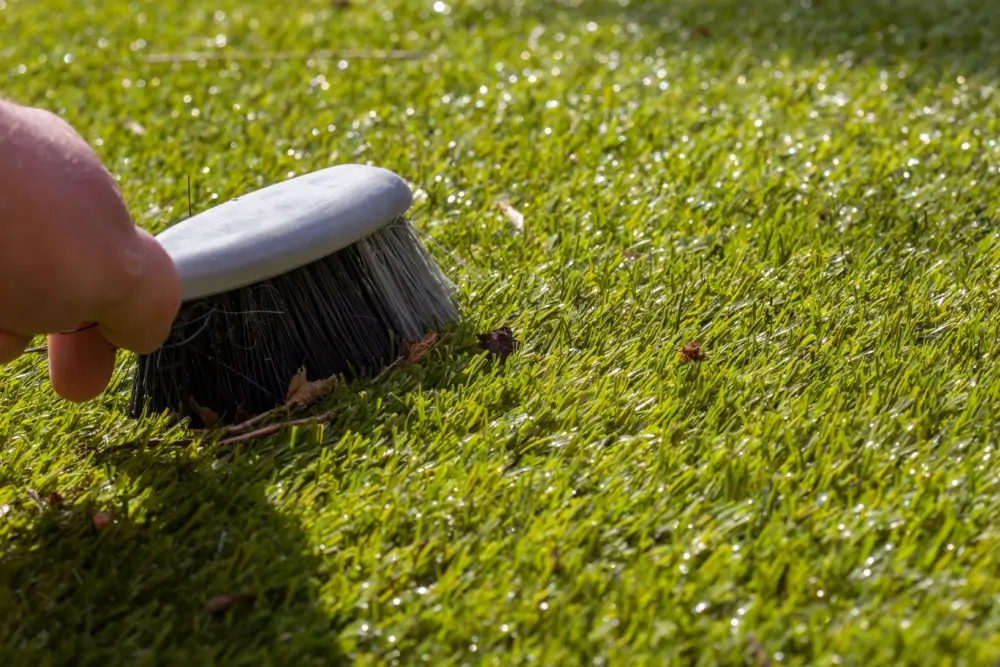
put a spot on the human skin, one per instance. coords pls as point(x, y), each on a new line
point(72, 259)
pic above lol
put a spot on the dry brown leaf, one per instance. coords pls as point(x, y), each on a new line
point(415, 350)
point(220, 603)
point(54, 499)
point(693, 351)
point(516, 217)
point(303, 393)
point(499, 343)
point(298, 381)
point(207, 416)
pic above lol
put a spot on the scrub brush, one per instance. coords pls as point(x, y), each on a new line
point(322, 272)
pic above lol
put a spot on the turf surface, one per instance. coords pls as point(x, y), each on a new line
point(807, 188)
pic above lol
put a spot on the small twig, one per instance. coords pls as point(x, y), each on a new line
point(242, 427)
point(239, 432)
point(274, 428)
point(41, 349)
point(249, 424)
point(323, 54)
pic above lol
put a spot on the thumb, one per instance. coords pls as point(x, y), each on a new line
point(142, 321)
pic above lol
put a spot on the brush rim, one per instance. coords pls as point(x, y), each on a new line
point(282, 227)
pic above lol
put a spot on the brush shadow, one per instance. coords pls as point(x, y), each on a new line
point(195, 525)
point(386, 401)
point(934, 37)
point(195, 528)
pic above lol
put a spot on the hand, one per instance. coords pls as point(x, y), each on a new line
point(70, 256)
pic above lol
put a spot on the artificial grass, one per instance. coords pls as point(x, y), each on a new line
point(807, 188)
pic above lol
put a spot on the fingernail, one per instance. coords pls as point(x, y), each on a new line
point(82, 327)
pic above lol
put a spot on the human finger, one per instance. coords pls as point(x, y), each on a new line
point(142, 322)
point(80, 364)
point(12, 345)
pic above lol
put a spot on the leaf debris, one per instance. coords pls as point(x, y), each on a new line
point(303, 393)
point(208, 416)
point(500, 343)
point(693, 351)
point(51, 500)
point(413, 351)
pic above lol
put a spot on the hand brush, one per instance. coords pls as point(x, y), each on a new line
point(323, 272)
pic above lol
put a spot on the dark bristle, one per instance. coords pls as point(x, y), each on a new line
point(347, 314)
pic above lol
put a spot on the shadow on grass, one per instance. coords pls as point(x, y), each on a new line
point(191, 526)
point(197, 528)
point(934, 37)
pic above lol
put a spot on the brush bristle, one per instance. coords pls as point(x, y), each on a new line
point(347, 314)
